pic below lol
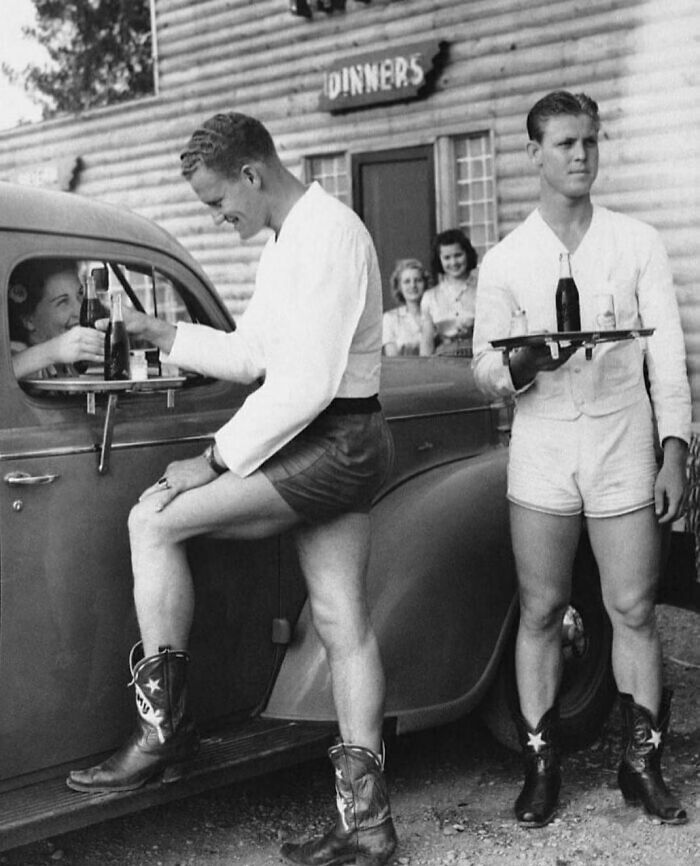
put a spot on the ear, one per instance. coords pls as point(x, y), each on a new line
point(250, 173)
point(534, 151)
point(28, 323)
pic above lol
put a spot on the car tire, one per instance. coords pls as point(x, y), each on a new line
point(588, 689)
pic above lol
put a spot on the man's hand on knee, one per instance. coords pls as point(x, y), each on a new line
point(178, 477)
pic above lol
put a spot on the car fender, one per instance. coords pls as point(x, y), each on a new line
point(441, 588)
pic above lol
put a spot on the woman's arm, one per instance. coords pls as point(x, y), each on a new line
point(78, 344)
point(427, 335)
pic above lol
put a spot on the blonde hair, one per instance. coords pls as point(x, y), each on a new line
point(406, 265)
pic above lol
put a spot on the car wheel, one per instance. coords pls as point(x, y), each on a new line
point(588, 688)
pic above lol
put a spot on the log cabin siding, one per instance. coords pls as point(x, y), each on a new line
point(637, 58)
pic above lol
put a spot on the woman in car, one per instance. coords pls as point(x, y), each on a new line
point(44, 309)
point(450, 305)
point(405, 330)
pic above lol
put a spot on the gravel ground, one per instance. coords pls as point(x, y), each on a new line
point(452, 793)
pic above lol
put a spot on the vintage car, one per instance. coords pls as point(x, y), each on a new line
point(75, 455)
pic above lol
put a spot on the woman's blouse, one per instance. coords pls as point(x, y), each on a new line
point(451, 306)
point(400, 327)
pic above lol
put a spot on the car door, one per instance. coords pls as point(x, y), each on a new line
point(67, 621)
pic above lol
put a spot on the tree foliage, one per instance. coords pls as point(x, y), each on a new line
point(100, 53)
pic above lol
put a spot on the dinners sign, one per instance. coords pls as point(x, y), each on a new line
point(375, 77)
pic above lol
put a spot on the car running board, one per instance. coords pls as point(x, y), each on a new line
point(49, 807)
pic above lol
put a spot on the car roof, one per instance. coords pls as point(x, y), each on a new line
point(32, 209)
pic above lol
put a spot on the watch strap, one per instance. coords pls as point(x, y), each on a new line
point(210, 457)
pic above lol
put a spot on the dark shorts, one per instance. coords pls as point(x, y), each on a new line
point(337, 464)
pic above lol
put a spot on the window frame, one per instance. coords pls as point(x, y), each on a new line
point(447, 184)
point(342, 157)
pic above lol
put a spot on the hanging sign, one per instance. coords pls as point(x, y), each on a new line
point(394, 74)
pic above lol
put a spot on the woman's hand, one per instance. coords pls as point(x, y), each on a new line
point(178, 477)
point(77, 344)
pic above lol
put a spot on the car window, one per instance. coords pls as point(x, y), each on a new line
point(145, 288)
point(45, 295)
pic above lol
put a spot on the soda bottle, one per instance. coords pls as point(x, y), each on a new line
point(90, 311)
point(116, 342)
point(568, 311)
point(91, 308)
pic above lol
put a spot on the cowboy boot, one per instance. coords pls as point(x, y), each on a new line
point(639, 773)
point(537, 801)
point(164, 738)
point(364, 832)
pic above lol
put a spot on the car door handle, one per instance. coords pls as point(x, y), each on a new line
point(425, 446)
point(24, 479)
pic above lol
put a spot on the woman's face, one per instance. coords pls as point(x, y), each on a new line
point(59, 308)
point(411, 284)
point(453, 260)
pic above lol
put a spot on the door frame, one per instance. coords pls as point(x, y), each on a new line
point(397, 154)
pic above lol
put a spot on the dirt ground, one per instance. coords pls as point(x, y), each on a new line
point(452, 793)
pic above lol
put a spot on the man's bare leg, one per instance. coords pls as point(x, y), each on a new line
point(165, 736)
point(229, 506)
point(544, 546)
point(334, 560)
point(628, 551)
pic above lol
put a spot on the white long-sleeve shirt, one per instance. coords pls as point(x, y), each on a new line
point(312, 329)
point(618, 255)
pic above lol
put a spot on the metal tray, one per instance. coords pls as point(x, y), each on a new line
point(94, 385)
point(570, 338)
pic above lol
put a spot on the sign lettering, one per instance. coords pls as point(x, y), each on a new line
point(377, 77)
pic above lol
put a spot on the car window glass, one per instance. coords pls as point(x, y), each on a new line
point(154, 292)
point(44, 300)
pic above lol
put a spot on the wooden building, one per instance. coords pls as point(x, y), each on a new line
point(411, 110)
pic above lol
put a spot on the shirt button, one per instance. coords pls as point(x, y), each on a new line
point(577, 369)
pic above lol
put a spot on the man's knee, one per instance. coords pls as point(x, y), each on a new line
point(145, 522)
point(541, 615)
point(633, 611)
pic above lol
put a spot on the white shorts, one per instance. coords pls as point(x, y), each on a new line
point(602, 465)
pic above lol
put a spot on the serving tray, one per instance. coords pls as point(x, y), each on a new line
point(570, 338)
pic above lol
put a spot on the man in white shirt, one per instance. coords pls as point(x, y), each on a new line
point(583, 444)
point(308, 450)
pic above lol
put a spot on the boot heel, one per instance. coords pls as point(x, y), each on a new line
point(180, 766)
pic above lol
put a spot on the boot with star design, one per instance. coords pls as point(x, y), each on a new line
point(165, 737)
point(639, 774)
point(537, 801)
point(364, 832)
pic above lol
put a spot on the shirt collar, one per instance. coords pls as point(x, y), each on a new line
point(297, 213)
point(546, 233)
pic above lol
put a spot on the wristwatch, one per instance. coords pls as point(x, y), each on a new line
point(210, 457)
